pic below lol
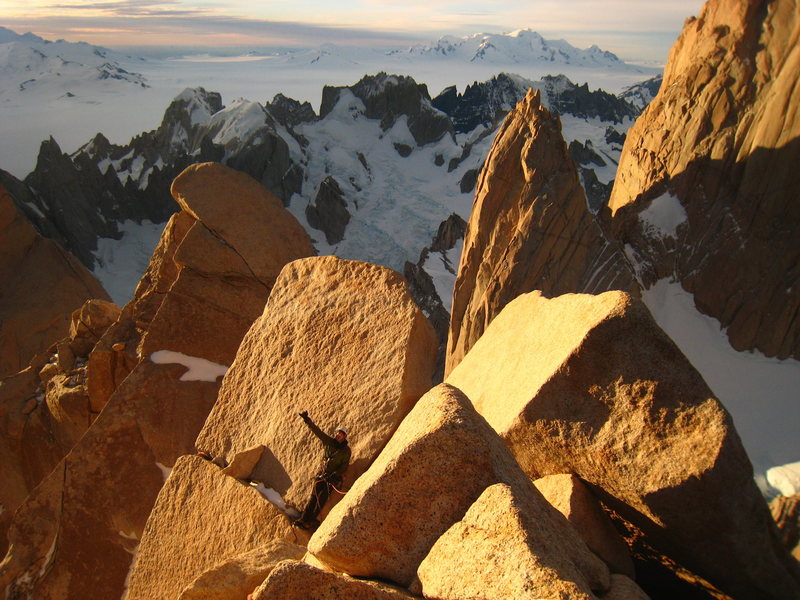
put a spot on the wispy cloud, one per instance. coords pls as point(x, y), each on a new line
point(200, 28)
point(130, 7)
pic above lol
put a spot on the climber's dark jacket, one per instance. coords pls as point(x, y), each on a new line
point(337, 454)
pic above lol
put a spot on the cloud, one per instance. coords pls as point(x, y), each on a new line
point(120, 7)
point(186, 27)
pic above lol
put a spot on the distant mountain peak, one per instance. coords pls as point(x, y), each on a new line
point(7, 35)
point(516, 47)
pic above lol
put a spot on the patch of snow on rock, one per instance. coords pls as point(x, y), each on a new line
point(663, 216)
point(275, 498)
point(785, 478)
point(200, 369)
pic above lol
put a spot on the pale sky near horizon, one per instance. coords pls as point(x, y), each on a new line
point(632, 29)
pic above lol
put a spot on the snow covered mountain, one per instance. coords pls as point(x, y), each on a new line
point(521, 46)
point(72, 91)
point(30, 64)
point(371, 177)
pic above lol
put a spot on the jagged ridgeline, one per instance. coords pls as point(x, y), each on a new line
point(348, 192)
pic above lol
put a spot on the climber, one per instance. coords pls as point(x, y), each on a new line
point(335, 462)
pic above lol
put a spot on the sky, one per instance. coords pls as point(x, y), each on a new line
point(632, 29)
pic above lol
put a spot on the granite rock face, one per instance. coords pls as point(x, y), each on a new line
point(294, 580)
point(590, 385)
point(706, 188)
point(441, 459)
point(341, 339)
point(45, 409)
point(529, 229)
point(159, 367)
point(233, 578)
point(573, 499)
point(463, 563)
point(201, 517)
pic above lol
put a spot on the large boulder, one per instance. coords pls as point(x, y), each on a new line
point(440, 460)
point(572, 498)
point(529, 229)
point(590, 385)
point(201, 517)
point(342, 339)
point(160, 366)
point(40, 286)
point(235, 577)
point(294, 580)
point(706, 189)
point(464, 562)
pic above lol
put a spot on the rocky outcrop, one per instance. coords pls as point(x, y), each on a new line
point(232, 579)
point(706, 188)
point(641, 94)
point(590, 385)
point(574, 500)
point(208, 280)
point(289, 112)
point(567, 97)
point(484, 103)
point(786, 512)
point(529, 229)
point(441, 459)
point(463, 562)
point(201, 517)
point(45, 409)
point(389, 97)
point(70, 205)
point(329, 211)
point(293, 580)
point(341, 339)
point(40, 286)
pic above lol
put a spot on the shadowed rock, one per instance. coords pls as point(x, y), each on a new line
point(40, 286)
point(590, 385)
point(706, 190)
point(573, 500)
